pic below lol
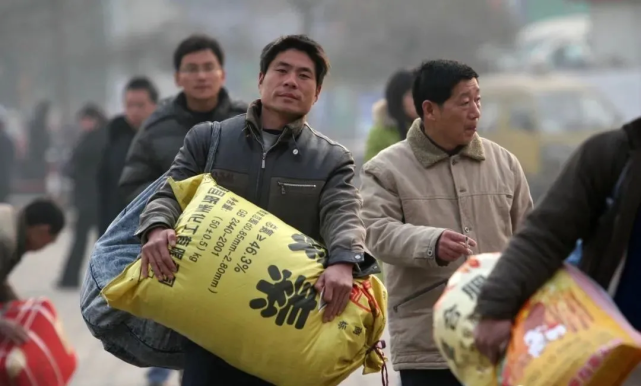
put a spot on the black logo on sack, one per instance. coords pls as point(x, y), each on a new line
point(451, 317)
point(312, 249)
point(290, 301)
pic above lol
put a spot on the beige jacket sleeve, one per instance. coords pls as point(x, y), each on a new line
point(389, 238)
point(522, 204)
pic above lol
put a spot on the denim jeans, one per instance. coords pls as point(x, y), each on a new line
point(158, 375)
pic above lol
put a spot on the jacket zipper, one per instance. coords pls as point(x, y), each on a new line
point(287, 184)
point(262, 165)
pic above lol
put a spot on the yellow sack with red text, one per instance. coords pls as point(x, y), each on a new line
point(244, 291)
point(568, 333)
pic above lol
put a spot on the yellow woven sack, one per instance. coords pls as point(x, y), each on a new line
point(568, 333)
point(244, 291)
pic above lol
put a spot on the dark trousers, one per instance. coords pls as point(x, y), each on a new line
point(428, 378)
point(85, 222)
point(203, 368)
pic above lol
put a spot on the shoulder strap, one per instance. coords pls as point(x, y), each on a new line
point(213, 146)
point(622, 176)
point(617, 187)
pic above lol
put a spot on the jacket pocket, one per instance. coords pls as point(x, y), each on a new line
point(297, 203)
point(296, 188)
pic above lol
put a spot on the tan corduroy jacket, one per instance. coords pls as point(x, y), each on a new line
point(412, 192)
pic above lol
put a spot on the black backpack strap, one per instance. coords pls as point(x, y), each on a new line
point(616, 192)
point(213, 146)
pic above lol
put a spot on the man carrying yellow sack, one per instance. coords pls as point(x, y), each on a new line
point(273, 159)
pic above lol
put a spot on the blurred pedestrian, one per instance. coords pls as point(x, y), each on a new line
point(7, 158)
point(83, 168)
point(393, 115)
point(27, 230)
point(140, 98)
point(199, 70)
point(432, 200)
point(39, 143)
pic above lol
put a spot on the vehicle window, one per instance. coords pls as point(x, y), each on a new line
point(521, 116)
point(572, 111)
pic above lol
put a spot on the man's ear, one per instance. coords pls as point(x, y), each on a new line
point(318, 91)
point(261, 77)
point(429, 110)
point(177, 80)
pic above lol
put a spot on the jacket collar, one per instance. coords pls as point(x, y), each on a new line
point(176, 108)
point(380, 114)
point(428, 154)
point(253, 121)
point(119, 127)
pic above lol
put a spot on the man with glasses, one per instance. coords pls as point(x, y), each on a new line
point(198, 64)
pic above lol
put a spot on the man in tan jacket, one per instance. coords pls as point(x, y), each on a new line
point(429, 201)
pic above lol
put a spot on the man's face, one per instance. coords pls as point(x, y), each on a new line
point(138, 107)
point(289, 86)
point(87, 124)
point(457, 118)
point(39, 236)
point(200, 75)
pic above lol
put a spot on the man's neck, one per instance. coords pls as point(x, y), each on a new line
point(131, 125)
point(201, 105)
point(272, 120)
point(434, 136)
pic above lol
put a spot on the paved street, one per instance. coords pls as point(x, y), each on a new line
point(36, 276)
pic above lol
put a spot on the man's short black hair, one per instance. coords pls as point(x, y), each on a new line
point(435, 80)
point(43, 211)
point(195, 43)
point(92, 111)
point(143, 83)
point(300, 43)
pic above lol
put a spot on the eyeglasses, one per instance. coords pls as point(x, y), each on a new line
point(194, 69)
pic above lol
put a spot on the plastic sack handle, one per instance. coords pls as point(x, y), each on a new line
point(213, 146)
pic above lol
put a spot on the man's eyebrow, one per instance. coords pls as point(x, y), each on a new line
point(468, 94)
point(299, 69)
point(283, 64)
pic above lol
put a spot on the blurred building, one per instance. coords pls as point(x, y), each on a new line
point(531, 11)
point(616, 30)
point(140, 35)
point(52, 49)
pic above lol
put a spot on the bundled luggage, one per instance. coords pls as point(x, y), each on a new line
point(46, 359)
